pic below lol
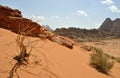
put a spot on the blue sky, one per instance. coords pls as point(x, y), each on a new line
point(67, 13)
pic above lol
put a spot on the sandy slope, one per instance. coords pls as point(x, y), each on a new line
point(48, 60)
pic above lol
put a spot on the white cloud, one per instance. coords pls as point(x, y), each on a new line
point(107, 2)
point(37, 18)
point(114, 9)
point(111, 5)
point(81, 13)
point(56, 17)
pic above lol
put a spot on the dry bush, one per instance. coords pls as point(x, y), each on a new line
point(23, 56)
point(22, 59)
point(100, 61)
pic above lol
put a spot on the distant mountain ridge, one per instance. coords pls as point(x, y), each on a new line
point(80, 35)
point(108, 29)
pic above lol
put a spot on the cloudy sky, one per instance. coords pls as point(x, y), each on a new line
point(67, 13)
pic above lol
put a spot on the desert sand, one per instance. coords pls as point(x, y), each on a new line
point(48, 60)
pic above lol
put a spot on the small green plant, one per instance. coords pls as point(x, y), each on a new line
point(100, 61)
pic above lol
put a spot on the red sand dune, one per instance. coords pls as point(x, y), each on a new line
point(48, 60)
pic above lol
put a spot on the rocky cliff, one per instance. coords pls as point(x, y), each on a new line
point(13, 20)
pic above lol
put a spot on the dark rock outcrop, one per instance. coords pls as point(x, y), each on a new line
point(107, 25)
point(116, 27)
point(112, 27)
point(13, 20)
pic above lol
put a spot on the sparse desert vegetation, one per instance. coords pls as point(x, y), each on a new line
point(100, 61)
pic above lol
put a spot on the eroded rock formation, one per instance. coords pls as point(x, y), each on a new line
point(13, 20)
